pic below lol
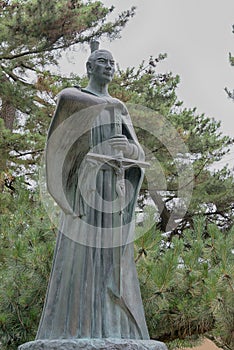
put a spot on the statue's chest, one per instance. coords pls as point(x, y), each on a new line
point(107, 125)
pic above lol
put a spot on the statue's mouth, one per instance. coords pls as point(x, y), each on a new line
point(108, 73)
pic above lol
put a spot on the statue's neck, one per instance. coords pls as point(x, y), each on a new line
point(97, 89)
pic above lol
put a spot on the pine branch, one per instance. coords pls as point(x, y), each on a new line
point(20, 154)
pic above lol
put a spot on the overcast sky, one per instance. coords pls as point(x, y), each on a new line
point(197, 37)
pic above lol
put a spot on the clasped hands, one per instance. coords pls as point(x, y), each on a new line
point(121, 143)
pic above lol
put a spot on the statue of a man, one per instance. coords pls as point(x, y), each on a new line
point(93, 290)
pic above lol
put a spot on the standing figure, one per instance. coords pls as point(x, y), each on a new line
point(94, 172)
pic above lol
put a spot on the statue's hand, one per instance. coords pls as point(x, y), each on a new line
point(121, 143)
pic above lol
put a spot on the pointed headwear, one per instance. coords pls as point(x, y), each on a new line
point(94, 45)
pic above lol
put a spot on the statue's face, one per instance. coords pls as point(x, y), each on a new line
point(102, 67)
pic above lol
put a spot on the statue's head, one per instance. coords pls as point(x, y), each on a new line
point(101, 66)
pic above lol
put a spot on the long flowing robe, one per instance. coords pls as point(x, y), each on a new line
point(93, 290)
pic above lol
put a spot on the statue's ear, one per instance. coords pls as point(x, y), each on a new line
point(89, 68)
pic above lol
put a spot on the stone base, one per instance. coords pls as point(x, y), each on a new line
point(96, 344)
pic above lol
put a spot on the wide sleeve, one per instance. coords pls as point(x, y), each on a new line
point(68, 142)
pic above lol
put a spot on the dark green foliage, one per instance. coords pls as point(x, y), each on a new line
point(187, 286)
point(27, 242)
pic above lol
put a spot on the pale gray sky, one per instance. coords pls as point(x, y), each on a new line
point(197, 37)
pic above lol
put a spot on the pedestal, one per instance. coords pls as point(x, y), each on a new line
point(96, 344)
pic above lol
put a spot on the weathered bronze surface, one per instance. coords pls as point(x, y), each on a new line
point(94, 172)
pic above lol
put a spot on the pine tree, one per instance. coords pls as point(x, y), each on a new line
point(187, 286)
point(27, 243)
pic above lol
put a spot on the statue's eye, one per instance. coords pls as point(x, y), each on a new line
point(101, 60)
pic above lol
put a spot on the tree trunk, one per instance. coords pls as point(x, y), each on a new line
point(7, 113)
point(166, 223)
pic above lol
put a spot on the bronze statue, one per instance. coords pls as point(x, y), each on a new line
point(94, 172)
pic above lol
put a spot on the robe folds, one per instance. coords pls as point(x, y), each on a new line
point(93, 291)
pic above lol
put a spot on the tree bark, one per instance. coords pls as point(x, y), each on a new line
point(7, 113)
